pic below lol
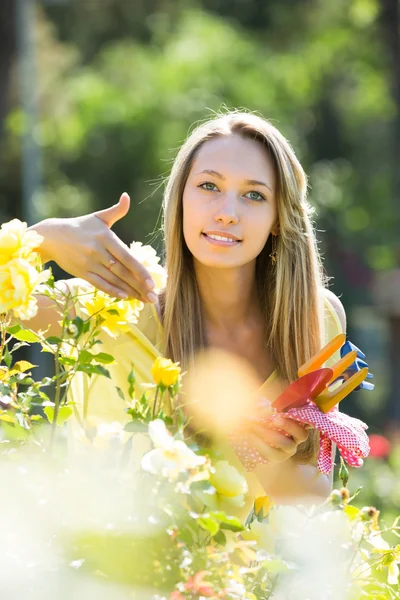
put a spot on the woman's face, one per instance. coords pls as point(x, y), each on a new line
point(230, 192)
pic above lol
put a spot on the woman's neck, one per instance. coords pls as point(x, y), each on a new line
point(228, 296)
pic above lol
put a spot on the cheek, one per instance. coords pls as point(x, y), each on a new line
point(191, 218)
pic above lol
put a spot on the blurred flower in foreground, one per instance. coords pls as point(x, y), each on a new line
point(165, 372)
point(170, 457)
point(147, 257)
point(18, 281)
point(115, 314)
point(380, 446)
point(230, 488)
point(260, 533)
point(17, 242)
point(391, 556)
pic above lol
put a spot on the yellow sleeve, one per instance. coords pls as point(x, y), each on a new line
point(96, 397)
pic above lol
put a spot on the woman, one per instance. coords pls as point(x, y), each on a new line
point(244, 276)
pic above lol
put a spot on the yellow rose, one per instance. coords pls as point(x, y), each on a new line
point(262, 506)
point(227, 480)
point(147, 257)
point(165, 372)
point(17, 242)
point(117, 314)
point(18, 281)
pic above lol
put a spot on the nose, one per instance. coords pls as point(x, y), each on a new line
point(227, 210)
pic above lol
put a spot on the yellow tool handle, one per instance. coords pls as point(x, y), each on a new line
point(326, 352)
point(327, 400)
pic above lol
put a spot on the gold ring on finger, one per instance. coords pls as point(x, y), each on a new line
point(111, 262)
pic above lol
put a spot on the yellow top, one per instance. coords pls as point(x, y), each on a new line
point(96, 397)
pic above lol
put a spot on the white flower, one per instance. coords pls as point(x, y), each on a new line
point(170, 457)
point(381, 546)
point(147, 257)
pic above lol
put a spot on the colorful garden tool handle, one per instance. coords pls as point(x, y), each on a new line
point(303, 389)
point(356, 366)
point(328, 399)
point(322, 356)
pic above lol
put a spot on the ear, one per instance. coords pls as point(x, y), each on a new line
point(275, 230)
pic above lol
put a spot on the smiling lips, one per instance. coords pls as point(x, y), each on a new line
point(221, 238)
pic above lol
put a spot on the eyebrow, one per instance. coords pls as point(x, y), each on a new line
point(247, 182)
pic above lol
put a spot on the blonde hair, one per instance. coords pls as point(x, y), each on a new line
point(288, 291)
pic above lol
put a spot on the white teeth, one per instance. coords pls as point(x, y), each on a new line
point(220, 237)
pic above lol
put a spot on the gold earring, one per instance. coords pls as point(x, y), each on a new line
point(274, 253)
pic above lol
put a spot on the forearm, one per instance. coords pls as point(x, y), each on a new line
point(292, 483)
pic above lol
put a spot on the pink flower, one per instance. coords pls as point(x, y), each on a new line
point(176, 596)
point(380, 446)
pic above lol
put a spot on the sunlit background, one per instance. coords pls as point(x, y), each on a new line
point(97, 95)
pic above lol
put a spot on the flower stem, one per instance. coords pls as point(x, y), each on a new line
point(155, 403)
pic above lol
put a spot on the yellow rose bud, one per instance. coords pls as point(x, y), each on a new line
point(262, 506)
point(227, 480)
point(18, 281)
point(165, 372)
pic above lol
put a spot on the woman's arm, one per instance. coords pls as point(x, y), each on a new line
point(88, 249)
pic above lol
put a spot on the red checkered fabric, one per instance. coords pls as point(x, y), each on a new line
point(347, 432)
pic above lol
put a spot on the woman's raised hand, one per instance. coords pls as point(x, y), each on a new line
point(86, 248)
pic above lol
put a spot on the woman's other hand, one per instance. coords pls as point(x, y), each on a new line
point(279, 439)
point(86, 248)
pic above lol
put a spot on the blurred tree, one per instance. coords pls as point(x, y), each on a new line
point(7, 52)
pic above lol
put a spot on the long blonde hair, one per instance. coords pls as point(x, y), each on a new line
point(288, 291)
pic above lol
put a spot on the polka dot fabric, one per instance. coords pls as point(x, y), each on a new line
point(347, 432)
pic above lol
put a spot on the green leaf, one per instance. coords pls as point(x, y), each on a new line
point(64, 413)
point(86, 326)
point(85, 356)
point(220, 538)
point(66, 360)
point(226, 521)
point(52, 339)
point(104, 358)
point(25, 335)
point(4, 416)
point(7, 357)
point(131, 381)
point(22, 365)
point(14, 329)
point(209, 524)
point(94, 370)
point(120, 393)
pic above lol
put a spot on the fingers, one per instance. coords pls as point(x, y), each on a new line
point(105, 286)
point(111, 215)
point(274, 438)
point(118, 275)
point(278, 445)
point(264, 407)
point(121, 285)
point(298, 432)
point(138, 276)
point(268, 447)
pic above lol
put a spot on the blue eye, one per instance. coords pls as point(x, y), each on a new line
point(259, 198)
point(208, 183)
